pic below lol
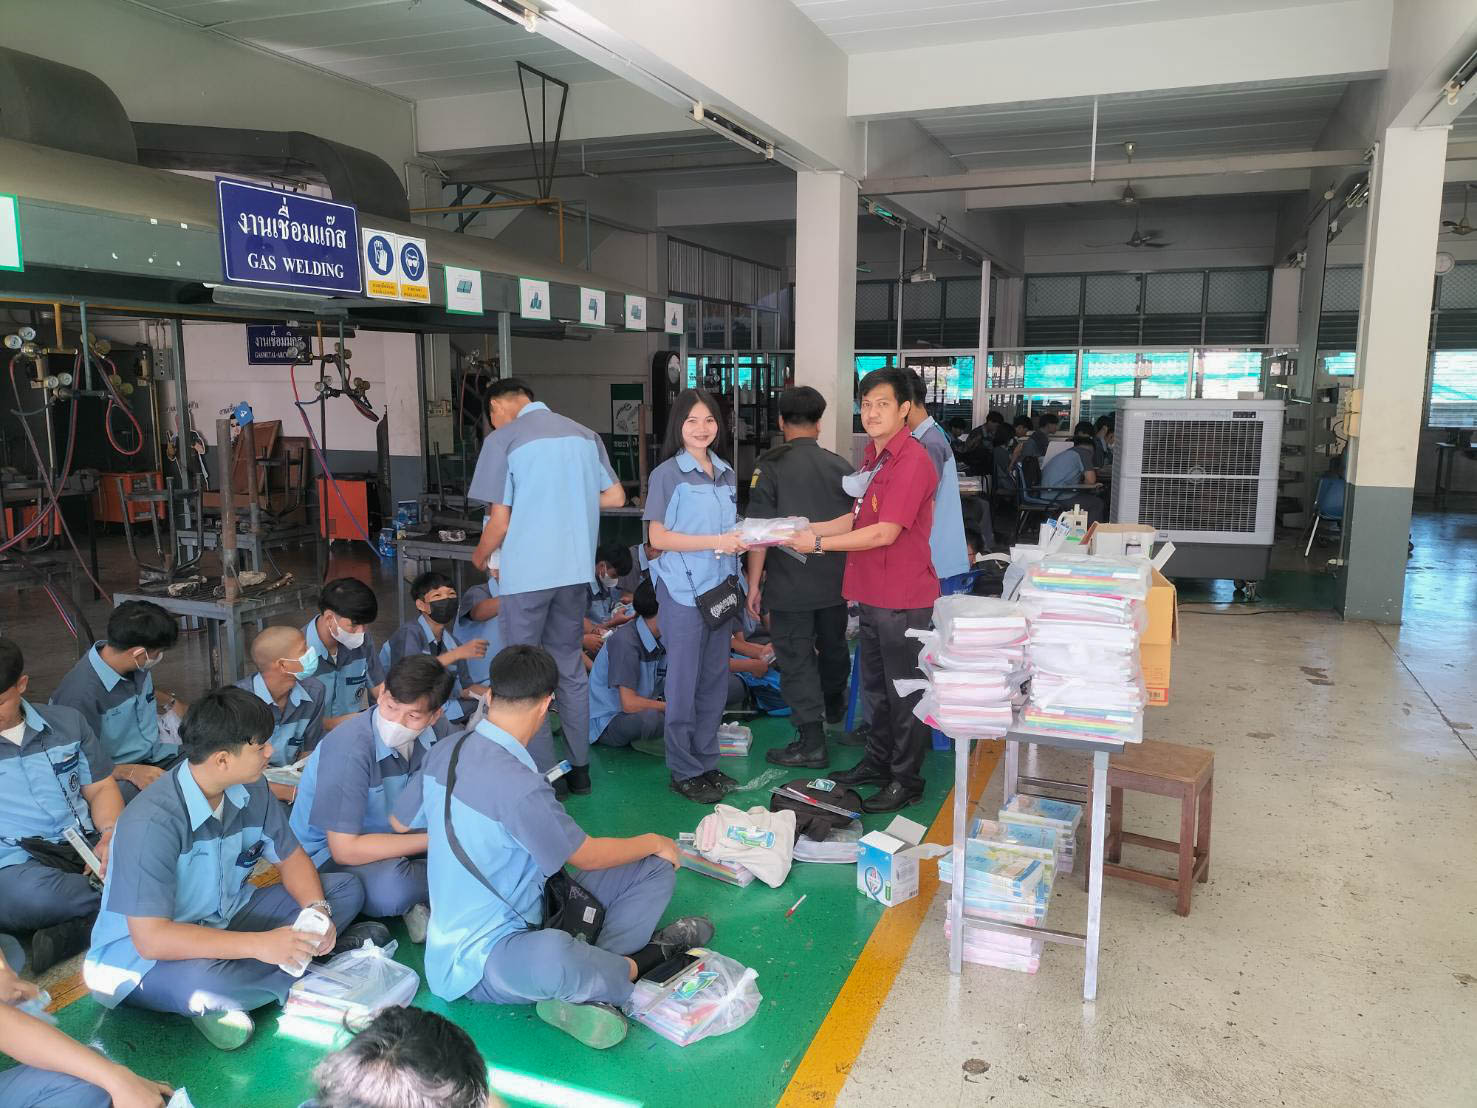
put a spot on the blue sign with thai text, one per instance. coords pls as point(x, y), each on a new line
point(276, 239)
point(271, 344)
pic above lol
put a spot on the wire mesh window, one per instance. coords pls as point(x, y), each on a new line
point(1053, 296)
point(1341, 288)
point(962, 298)
point(874, 300)
point(923, 300)
point(1112, 294)
point(1237, 291)
point(1174, 293)
point(1459, 288)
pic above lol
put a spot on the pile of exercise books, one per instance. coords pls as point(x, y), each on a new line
point(1040, 821)
point(1008, 883)
point(730, 873)
point(1086, 614)
point(734, 740)
point(975, 662)
point(350, 988)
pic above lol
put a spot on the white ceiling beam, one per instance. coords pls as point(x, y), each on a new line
point(1036, 196)
point(1137, 171)
point(1349, 39)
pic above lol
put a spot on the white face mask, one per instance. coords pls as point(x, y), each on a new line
point(396, 736)
point(147, 663)
point(352, 639)
point(609, 582)
point(14, 734)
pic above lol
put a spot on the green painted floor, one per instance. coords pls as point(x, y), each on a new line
point(802, 963)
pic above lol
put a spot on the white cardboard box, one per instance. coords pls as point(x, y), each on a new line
point(887, 862)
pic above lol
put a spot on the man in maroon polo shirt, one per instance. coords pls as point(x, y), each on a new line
point(890, 575)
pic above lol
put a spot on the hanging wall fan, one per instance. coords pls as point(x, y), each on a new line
point(1137, 239)
point(1461, 226)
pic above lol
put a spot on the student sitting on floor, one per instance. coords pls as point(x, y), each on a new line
point(405, 1058)
point(56, 1071)
point(627, 705)
point(111, 686)
point(284, 683)
point(181, 929)
point(506, 836)
point(435, 599)
point(609, 606)
point(476, 618)
point(348, 663)
point(54, 774)
point(350, 785)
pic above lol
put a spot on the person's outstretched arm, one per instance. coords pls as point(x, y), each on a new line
point(35, 1042)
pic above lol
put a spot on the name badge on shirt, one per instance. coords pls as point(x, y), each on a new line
point(251, 855)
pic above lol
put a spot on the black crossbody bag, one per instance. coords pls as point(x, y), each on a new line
point(568, 905)
point(720, 604)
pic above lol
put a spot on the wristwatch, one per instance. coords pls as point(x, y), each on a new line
point(818, 545)
point(322, 906)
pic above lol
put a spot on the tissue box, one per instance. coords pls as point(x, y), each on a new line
point(887, 862)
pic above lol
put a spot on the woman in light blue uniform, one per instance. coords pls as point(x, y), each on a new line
point(692, 511)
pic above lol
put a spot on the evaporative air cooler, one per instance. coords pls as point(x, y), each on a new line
point(1203, 473)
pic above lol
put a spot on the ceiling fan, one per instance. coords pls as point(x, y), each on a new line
point(1462, 226)
point(1135, 240)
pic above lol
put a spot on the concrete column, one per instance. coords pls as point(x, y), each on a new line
point(1282, 316)
point(825, 297)
point(1405, 208)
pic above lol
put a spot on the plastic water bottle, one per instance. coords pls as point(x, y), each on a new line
point(312, 922)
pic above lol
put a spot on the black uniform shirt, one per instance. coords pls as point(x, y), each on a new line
point(800, 478)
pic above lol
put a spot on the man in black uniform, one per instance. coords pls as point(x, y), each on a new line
point(807, 617)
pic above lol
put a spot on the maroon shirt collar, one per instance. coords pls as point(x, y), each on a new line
point(872, 453)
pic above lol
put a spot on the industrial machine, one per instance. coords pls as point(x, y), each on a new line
point(1203, 473)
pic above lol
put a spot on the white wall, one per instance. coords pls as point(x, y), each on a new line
point(574, 378)
point(217, 376)
point(165, 71)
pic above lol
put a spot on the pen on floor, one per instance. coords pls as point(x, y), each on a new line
point(797, 904)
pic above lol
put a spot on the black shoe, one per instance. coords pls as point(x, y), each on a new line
point(808, 749)
point(836, 711)
point(720, 781)
point(892, 797)
point(865, 772)
point(561, 787)
point(578, 780)
point(57, 943)
point(697, 789)
point(355, 936)
point(679, 935)
point(858, 736)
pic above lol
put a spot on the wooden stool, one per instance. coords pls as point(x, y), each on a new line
point(1166, 769)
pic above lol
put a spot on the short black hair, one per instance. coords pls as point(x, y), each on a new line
point(616, 556)
point(138, 623)
point(1048, 419)
point(406, 1058)
point(224, 719)
point(429, 581)
point(958, 424)
point(351, 598)
point(643, 600)
point(902, 388)
point(1004, 435)
point(509, 386)
point(1022, 420)
point(12, 665)
point(1083, 427)
point(994, 417)
point(802, 406)
point(1103, 421)
point(1081, 437)
point(522, 673)
point(919, 386)
point(418, 677)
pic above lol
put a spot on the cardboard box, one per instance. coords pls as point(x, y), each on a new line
point(1122, 540)
point(887, 864)
point(1157, 643)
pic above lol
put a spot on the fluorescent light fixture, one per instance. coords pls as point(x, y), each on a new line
point(731, 130)
point(524, 15)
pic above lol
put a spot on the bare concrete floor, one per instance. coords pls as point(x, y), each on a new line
point(1331, 959)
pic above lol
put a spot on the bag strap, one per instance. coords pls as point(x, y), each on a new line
point(456, 843)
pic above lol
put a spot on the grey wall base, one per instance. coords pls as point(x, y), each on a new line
point(1376, 549)
point(1216, 561)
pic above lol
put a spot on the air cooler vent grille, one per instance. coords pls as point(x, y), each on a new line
point(1209, 447)
point(1214, 504)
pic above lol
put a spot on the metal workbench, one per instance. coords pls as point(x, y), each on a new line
point(225, 624)
point(957, 920)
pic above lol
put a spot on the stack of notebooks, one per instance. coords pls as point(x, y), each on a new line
point(730, 873)
point(734, 740)
point(1008, 883)
point(350, 988)
point(975, 661)
point(1041, 821)
point(1086, 614)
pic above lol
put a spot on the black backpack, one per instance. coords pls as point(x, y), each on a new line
point(819, 812)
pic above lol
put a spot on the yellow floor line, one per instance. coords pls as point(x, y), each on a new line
point(824, 1068)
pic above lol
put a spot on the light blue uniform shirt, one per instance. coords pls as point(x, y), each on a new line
point(550, 471)
point(1064, 470)
point(946, 543)
point(681, 497)
point(603, 603)
point(347, 678)
point(351, 783)
point(297, 726)
point(417, 637)
point(633, 658)
point(173, 859)
point(119, 708)
point(41, 781)
point(468, 629)
point(513, 829)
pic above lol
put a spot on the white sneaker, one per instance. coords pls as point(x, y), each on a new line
point(416, 922)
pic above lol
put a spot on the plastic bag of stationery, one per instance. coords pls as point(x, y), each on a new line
point(353, 985)
point(771, 532)
point(978, 623)
point(713, 996)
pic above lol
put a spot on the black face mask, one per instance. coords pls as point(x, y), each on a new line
point(443, 611)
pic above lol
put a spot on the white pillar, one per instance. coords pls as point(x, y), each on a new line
point(1282, 315)
point(1395, 316)
point(825, 297)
